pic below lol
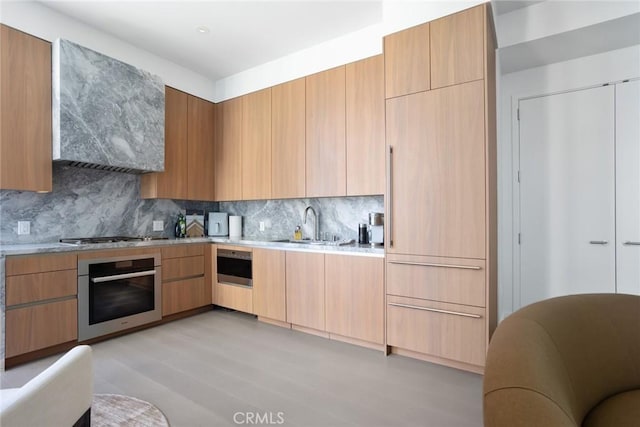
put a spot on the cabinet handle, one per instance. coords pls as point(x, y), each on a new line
point(122, 276)
point(436, 310)
point(390, 195)
point(426, 264)
point(630, 243)
point(598, 242)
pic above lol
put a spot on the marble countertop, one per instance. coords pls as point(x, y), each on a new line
point(37, 248)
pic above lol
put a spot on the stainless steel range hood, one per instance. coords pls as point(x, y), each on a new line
point(106, 114)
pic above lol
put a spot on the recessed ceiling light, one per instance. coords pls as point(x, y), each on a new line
point(202, 29)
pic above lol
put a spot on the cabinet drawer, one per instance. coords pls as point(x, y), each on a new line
point(235, 297)
point(180, 268)
point(184, 295)
point(41, 286)
point(40, 326)
point(40, 263)
point(178, 251)
point(453, 280)
point(444, 330)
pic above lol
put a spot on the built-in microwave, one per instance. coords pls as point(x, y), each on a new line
point(235, 267)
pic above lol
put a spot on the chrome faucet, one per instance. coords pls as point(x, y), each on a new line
point(316, 233)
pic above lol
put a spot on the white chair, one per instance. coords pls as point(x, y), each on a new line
point(60, 396)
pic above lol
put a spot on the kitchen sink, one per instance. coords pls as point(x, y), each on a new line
point(315, 242)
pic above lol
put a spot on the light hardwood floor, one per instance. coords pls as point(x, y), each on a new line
point(201, 370)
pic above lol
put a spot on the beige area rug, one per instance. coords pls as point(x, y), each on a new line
point(117, 410)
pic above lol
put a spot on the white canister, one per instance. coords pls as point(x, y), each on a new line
point(235, 226)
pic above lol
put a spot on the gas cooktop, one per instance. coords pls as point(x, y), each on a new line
point(111, 239)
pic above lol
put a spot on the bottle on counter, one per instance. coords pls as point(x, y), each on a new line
point(181, 226)
point(297, 234)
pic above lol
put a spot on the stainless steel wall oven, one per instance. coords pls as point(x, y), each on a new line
point(118, 293)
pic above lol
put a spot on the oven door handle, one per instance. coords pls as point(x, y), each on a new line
point(122, 276)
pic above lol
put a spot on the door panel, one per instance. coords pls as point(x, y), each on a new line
point(628, 187)
point(437, 197)
point(567, 194)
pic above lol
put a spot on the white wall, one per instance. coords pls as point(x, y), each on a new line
point(35, 18)
point(39, 20)
point(396, 15)
point(582, 72)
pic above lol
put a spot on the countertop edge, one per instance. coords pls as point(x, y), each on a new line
point(42, 248)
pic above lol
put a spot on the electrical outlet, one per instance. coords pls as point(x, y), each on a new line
point(24, 227)
point(261, 225)
point(158, 226)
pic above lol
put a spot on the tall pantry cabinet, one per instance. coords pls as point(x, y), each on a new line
point(441, 189)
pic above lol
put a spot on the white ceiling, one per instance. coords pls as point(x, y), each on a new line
point(243, 34)
point(505, 6)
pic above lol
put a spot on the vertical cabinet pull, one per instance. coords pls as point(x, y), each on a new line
point(390, 195)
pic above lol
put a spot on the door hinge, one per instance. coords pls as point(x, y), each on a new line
point(518, 113)
point(518, 176)
point(519, 238)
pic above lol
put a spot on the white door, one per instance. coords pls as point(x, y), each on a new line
point(628, 187)
point(567, 194)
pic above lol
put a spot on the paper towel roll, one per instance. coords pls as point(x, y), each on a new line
point(235, 226)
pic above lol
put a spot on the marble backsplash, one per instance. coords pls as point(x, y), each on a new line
point(338, 216)
point(87, 203)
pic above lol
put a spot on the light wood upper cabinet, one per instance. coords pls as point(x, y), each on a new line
point(172, 183)
point(305, 289)
point(189, 151)
point(406, 61)
point(228, 150)
point(201, 150)
point(438, 178)
point(355, 297)
point(288, 140)
point(256, 145)
point(325, 134)
point(365, 126)
point(269, 284)
point(457, 47)
point(25, 112)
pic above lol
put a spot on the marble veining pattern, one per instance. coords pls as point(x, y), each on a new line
point(106, 112)
point(87, 203)
point(338, 216)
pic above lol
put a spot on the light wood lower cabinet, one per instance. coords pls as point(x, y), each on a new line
point(183, 295)
point(355, 297)
point(453, 280)
point(40, 326)
point(269, 279)
point(185, 278)
point(305, 290)
point(235, 297)
point(448, 331)
point(41, 302)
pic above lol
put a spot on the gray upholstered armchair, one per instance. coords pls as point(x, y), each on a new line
point(566, 361)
